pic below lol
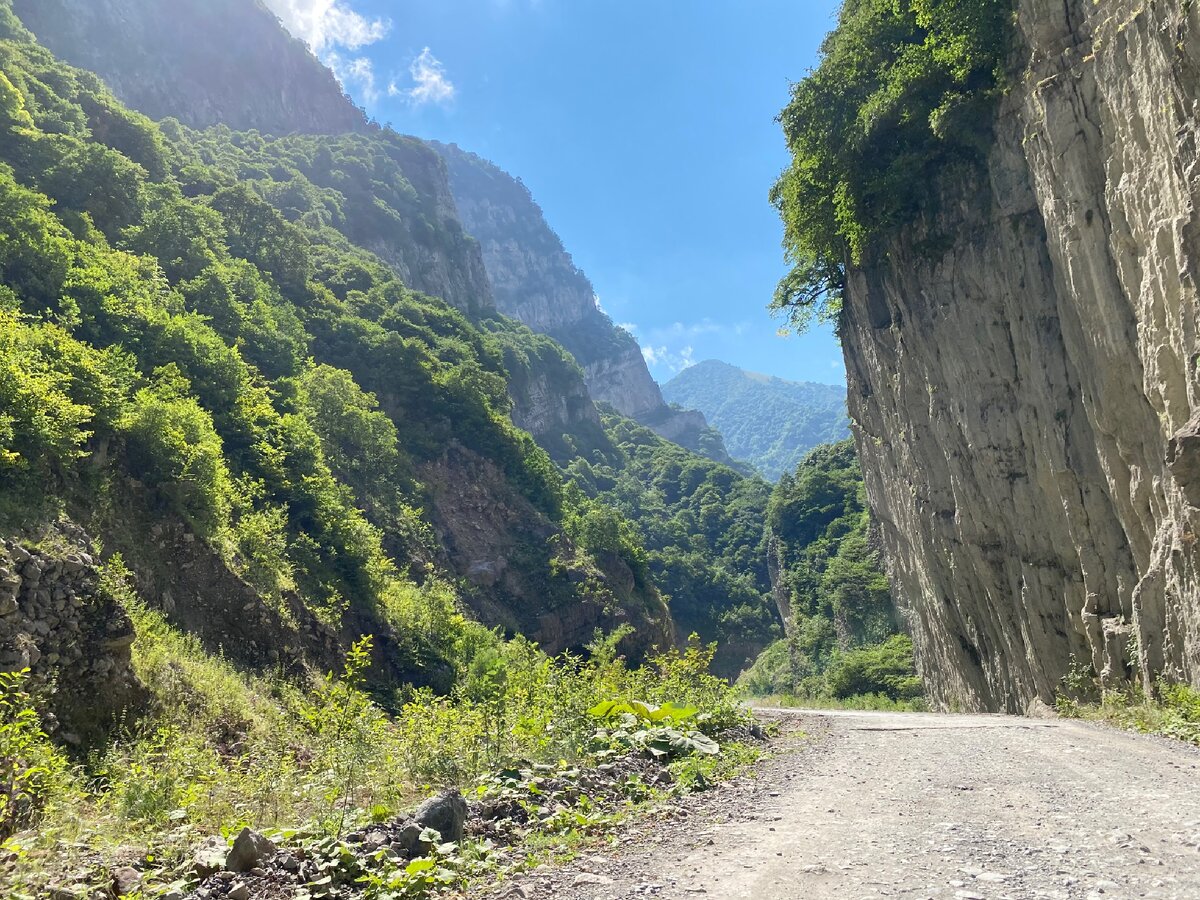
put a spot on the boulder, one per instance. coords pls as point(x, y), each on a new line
point(126, 880)
point(210, 856)
point(408, 839)
point(446, 814)
point(249, 849)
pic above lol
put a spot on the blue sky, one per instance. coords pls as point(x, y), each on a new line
point(644, 128)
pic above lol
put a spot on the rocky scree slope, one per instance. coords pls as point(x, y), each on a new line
point(1026, 402)
point(769, 422)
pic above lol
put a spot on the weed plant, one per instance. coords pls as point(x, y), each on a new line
point(222, 748)
point(1172, 711)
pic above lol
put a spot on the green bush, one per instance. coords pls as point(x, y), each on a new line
point(34, 773)
point(174, 449)
point(885, 668)
point(904, 89)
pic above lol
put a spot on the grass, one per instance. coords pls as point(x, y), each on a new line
point(221, 748)
point(877, 702)
point(1174, 710)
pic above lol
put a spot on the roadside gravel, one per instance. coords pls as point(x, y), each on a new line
point(865, 805)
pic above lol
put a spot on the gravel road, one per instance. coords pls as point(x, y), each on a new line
point(857, 805)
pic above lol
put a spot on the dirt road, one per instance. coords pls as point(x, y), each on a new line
point(915, 805)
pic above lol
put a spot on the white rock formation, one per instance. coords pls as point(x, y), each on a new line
point(1016, 398)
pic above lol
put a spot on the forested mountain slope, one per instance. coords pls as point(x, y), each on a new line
point(844, 633)
point(287, 251)
point(536, 281)
point(204, 351)
point(702, 524)
point(768, 422)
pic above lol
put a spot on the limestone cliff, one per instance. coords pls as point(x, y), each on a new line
point(535, 280)
point(205, 63)
point(1026, 401)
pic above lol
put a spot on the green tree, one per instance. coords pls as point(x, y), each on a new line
point(904, 90)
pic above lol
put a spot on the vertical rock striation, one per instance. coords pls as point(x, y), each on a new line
point(1024, 403)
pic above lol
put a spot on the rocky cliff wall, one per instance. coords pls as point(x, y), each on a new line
point(502, 549)
point(1024, 402)
point(424, 240)
point(204, 62)
point(535, 281)
point(58, 622)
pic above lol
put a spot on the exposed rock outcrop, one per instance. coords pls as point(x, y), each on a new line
point(1023, 401)
point(205, 63)
point(502, 548)
point(535, 281)
point(58, 622)
point(421, 238)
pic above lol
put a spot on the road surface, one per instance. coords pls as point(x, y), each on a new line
point(865, 805)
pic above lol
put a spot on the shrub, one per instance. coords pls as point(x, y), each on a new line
point(885, 668)
point(904, 89)
point(33, 772)
point(174, 448)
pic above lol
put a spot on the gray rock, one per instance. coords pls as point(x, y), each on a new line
point(210, 856)
point(126, 880)
point(446, 813)
point(1023, 397)
point(249, 849)
point(239, 891)
point(408, 839)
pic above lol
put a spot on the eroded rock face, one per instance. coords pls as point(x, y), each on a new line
point(204, 62)
point(1023, 403)
point(501, 547)
point(57, 622)
point(535, 281)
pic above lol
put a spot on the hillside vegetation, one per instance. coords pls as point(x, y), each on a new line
point(844, 639)
point(905, 90)
point(701, 524)
point(252, 418)
point(264, 380)
point(266, 520)
point(768, 422)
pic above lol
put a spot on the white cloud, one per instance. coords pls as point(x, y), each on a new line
point(430, 84)
point(326, 24)
point(629, 326)
point(358, 72)
point(692, 329)
point(664, 357)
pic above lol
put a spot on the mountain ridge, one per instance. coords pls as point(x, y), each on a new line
point(769, 422)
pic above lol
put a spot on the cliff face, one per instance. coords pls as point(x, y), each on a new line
point(204, 63)
point(1024, 403)
point(535, 281)
point(398, 205)
point(519, 573)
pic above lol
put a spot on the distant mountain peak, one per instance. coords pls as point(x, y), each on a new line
point(768, 421)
